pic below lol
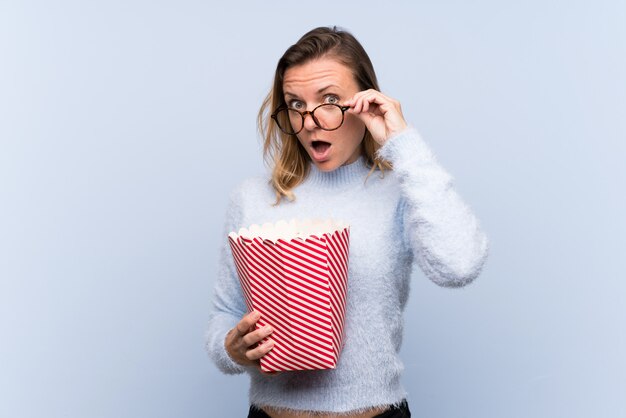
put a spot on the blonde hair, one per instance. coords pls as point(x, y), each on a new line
point(289, 161)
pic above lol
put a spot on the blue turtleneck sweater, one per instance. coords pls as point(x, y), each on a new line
point(411, 214)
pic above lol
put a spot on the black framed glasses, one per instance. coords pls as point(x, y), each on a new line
point(327, 116)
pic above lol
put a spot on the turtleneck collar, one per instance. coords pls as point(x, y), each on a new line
point(341, 176)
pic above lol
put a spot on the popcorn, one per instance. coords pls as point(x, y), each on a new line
point(295, 274)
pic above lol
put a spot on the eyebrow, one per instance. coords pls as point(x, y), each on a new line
point(318, 92)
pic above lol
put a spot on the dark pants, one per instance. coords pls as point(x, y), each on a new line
point(401, 411)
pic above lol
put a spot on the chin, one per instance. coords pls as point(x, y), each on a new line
point(328, 165)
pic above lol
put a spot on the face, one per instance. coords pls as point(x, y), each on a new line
point(325, 80)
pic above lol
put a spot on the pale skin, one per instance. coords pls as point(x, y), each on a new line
point(324, 80)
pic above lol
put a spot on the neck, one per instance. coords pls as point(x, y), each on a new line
point(345, 174)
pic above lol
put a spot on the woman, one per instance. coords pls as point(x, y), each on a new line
point(330, 129)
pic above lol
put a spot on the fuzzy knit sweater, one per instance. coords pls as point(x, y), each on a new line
point(411, 214)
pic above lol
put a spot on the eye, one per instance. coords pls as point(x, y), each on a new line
point(295, 104)
point(331, 98)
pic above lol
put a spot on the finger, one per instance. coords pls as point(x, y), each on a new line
point(358, 106)
point(248, 321)
point(377, 99)
point(363, 101)
point(254, 337)
point(354, 101)
point(380, 105)
point(260, 351)
point(366, 103)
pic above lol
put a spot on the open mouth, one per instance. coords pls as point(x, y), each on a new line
point(321, 150)
point(320, 146)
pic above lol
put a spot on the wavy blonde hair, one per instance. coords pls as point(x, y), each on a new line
point(289, 161)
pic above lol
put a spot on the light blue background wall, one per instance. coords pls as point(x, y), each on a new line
point(125, 124)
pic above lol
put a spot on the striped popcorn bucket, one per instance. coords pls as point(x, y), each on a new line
point(295, 274)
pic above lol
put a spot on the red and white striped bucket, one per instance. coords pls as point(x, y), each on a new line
point(298, 283)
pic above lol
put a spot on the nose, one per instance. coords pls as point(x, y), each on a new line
point(309, 122)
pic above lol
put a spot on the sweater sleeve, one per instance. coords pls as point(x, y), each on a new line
point(444, 235)
point(228, 306)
